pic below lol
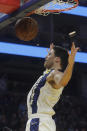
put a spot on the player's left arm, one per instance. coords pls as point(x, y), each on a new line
point(59, 79)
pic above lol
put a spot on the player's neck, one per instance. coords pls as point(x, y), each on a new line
point(56, 66)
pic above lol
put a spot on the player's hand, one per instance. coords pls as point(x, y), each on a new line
point(72, 55)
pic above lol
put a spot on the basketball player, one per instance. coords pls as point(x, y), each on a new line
point(46, 92)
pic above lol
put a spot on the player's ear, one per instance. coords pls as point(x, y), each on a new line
point(57, 59)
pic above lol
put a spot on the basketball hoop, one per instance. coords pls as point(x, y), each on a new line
point(55, 7)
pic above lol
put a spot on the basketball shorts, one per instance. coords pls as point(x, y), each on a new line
point(40, 123)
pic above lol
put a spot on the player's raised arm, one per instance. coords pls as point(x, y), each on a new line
point(65, 78)
point(68, 71)
point(58, 79)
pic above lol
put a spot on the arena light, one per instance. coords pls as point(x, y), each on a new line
point(24, 50)
point(33, 51)
point(79, 10)
point(81, 57)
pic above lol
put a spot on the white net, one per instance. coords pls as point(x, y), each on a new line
point(56, 6)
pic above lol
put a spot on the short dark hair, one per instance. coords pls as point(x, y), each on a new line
point(63, 54)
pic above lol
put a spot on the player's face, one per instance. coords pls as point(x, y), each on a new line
point(49, 60)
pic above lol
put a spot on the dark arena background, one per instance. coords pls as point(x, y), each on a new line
point(18, 73)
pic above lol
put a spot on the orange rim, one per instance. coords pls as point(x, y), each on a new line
point(55, 11)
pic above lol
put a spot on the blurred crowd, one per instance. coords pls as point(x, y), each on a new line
point(70, 113)
point(13, 114)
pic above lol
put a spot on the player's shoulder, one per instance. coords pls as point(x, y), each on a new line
point(58, 74)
